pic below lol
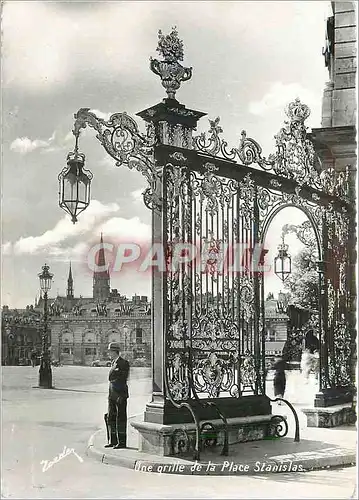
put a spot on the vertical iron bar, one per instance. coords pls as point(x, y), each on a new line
point(206, 266)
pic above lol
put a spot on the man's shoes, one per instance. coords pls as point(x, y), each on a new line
point(118, 446)
point(110, 445)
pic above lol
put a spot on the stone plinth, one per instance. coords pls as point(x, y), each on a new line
point(331, 416)
point(176, 439)
point(162, 411)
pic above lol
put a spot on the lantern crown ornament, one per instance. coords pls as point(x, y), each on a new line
point(45, 278)
point(171, 72)
point(75, 183)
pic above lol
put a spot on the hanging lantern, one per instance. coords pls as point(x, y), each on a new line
point(282, 262)
point(45, 278)
point(74, 185)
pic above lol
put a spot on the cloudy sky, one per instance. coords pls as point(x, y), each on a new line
point(249, 60)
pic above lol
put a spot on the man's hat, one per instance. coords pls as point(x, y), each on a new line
point(114, 346)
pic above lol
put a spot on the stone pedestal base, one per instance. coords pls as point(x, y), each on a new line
point(331, 416)
point(176, 439)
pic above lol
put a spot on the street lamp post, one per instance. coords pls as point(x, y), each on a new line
point(45, 373)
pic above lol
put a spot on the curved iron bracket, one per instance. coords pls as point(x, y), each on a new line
point(122, 140)
point(279, 425)
point(296, 419)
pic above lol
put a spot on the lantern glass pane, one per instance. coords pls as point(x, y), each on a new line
point(82, 192)
point(70, 189)
point(45, 283)
point(286, 265)
point(278, 265)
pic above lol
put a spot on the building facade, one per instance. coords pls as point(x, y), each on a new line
point(276, 325)
point(81, 327)
point(20, 334)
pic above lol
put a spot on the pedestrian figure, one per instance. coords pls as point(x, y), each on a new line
point(310, 356)
point(311, 342)
point(279, 381)
point(116, 417)
point(33, 358)
point(306, 364)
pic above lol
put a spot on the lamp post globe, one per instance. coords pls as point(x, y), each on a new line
point(45, 372)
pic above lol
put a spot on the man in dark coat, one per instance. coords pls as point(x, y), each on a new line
point(279, 381)
point(117, 398)
point(311, 342)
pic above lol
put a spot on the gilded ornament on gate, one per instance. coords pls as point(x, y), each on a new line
point(171, 72)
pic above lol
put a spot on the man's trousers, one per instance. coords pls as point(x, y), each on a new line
point(117, 419)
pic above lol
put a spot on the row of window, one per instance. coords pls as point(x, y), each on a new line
point(89, 351)
point(138, 338)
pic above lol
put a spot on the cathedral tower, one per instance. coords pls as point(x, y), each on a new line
point(101, 279)
point(70, 285)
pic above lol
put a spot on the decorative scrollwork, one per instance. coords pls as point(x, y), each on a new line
point(275, 183)
point(303, 232)
point(249, 150)
point(122, 140)
point(212, 145)
point(178, 157)
point(213, 254)
point(248, 371)
point(214, 192)
point(341, 362)
point(294, 158)
point(212, 375)
point(278, 426)
point(269, 202)
point(178, 380)
point(247, 298)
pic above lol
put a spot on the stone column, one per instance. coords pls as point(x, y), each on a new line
point(173, 124)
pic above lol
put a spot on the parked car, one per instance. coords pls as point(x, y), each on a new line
point(24, 362)
point(101, 362)
point(56, 363)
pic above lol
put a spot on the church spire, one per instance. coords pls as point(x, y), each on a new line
point(101, 279)
point(70, 285)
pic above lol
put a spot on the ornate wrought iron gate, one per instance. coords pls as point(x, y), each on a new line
point(208, 312)
point(215, 321)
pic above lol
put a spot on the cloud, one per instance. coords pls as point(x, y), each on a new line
point(122, 229)
point(101, 114)
point(279, 95)
point(24, 145)
point(137, 195)
point(70, 41)
point(72, 253)
point(51, 240)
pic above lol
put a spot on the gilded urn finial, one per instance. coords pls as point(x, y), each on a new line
point(171, 72)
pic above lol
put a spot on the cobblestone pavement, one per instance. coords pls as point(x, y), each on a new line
point(38, 424)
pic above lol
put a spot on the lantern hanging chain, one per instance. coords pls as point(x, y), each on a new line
point(76, 133)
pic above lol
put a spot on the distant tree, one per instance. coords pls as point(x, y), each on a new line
point(303, 282)
point(270, 296)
